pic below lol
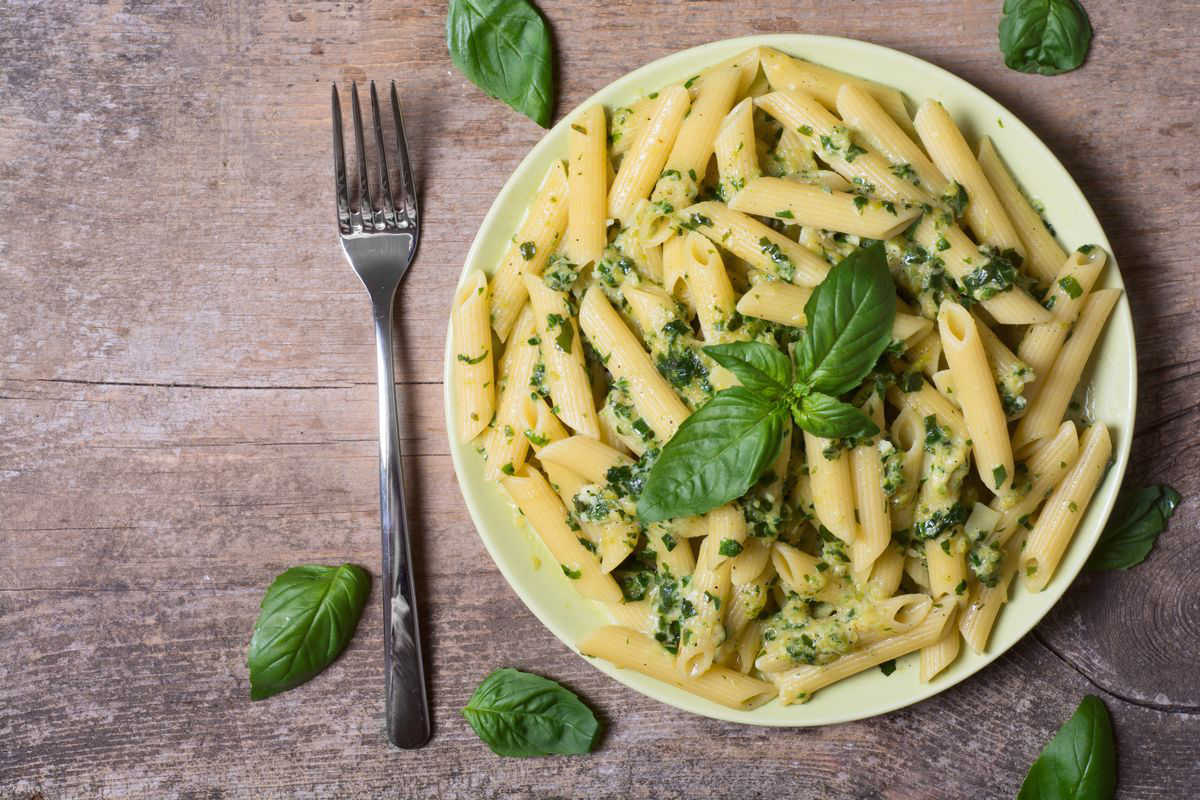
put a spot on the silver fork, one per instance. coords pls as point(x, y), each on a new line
point(379, 241)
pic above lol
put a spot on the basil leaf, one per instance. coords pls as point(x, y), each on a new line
point(1079, 763)
point(308, 616)
point(1138, 517)
point(715, 456)
point(503, 46)
point(850, 318)
point(830, 418)
point(521, 715)
point(1044, 36)
point(761, 368)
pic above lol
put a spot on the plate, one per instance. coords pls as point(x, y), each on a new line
point(530, 569)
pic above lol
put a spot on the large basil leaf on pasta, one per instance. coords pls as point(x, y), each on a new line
point(850, 317)
point(308, 617)
point(761, 368)
point(518, 714)
point(1137, 519)
point(503, 46)
point(830, 418)
point(715, 456)
point(1044, 36)
point(1080, 762)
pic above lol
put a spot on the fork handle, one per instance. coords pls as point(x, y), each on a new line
point(408, 723)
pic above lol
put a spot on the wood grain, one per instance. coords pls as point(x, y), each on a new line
point(186, 407)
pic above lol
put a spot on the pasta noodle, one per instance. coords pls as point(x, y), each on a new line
point(708, 213)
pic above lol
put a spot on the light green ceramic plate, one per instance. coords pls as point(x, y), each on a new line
point(527, 564)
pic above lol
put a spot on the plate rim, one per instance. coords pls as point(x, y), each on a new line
point(1120, 324)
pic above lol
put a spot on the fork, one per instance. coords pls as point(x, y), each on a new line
point(379, 240)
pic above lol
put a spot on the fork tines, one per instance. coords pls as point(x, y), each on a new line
point(395, 213)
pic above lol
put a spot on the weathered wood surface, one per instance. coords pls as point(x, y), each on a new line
point(186, 407)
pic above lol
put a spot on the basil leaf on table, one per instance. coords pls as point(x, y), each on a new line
point(715, 456)
point(521, 715)
point(1138, 517)
point(761, 368)
point(1079, 763)
point(830, 418)
point(503, 46)
point(308, 617)
point(1044, 36)
point(850, 317)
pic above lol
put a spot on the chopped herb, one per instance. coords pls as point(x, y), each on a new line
point(906, 172)
point(999, 475)
point(508, 469)
point(860, 202)
point(536, 438)
point(785, 214)
point(940, 521)
point(805, 130)
point(528, 250)
point(730, 548)
point(1071, 287)
point(573, 574)
point(578, 128)
point(463, 357)
point(962, 586)
point(888, 667)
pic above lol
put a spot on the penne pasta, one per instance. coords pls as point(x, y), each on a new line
point(587, 187)
point(803, 204)
point(473, 358)
point(531, 247)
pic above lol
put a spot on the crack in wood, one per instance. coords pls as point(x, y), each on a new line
point(1165, 708)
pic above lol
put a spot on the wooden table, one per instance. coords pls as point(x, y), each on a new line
point(187, 407)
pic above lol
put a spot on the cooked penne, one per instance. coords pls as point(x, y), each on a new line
point(1041, 343)
point(977, 395)
point(473, 361)
point(642, 165)
point(765, 249)
point(775, 301)
point(537, 237)
point(737, 156)
point(941, 654)
point(1043, 253)
point(952, 155)
point(872, 509)
point(800, 683)
point(708, 286)
point(832, 142)
point(1013, 306)
point(587, 187)
point(863, 113)
point(654, 399)
point(629, 649)
point(546, 514)
point(803, 204)
point(504, 443)
point(562, 353)
point(832, 486)
point(785, 72)
point(733, 193)
point(1057, 523)
point(1054, 394)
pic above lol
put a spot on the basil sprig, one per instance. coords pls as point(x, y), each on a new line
point(521, 715)
point(308, 617)
point(1080, 762)
point(1138, 518)
point(721, 450)
point(1044, 36)
point(503, 46)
